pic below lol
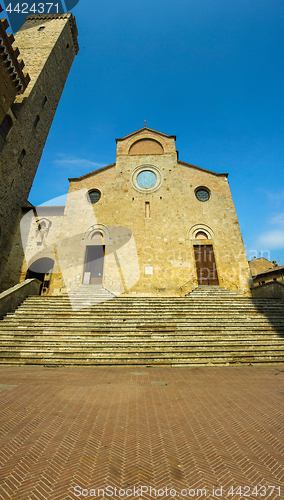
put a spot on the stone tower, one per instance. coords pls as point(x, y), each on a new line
point(48, 45)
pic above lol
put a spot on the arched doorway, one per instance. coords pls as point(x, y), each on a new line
point(94, 260)
point(205, 265)
point(41, 269)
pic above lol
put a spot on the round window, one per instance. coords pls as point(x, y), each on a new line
point(202, 194)
point(93, 196)
point(146, 179)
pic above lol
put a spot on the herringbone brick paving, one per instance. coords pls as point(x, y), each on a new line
point(119, 427)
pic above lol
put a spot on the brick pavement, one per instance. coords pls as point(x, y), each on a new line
point(209, 427)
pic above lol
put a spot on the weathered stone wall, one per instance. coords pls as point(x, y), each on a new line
point(48, 56)
point(271, 290)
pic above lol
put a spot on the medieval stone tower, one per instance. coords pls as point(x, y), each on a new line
point(48, 45)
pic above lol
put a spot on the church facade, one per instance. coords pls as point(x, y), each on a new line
point(146, 225)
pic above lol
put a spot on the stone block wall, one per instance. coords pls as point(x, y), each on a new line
point(48, 55)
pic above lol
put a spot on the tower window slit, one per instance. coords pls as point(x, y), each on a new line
point(147, 210)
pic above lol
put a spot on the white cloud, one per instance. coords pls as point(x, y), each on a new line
point(74, 163)
point(277, 198)
point(271, 239)
point(278, 219)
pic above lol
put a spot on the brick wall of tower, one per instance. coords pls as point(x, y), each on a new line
point(13, 80)
point(48, 56)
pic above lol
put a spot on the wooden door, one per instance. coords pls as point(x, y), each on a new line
point(205, 265)
point(94, 265)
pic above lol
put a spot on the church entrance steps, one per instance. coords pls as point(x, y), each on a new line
point(210, 326)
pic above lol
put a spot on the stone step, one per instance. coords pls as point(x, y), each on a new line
point(147, 313)
point(191, 306)
point(120, 352)
point(127, 325)
point(180, 336)
point(133, 298)
point(143, 360)
point(213, 324)
point(111, 304)
point(96, 310)
point(16, 329)
point(126, 347)
point(183, 316)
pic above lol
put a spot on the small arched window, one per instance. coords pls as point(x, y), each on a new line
point(201, 235)
point(36, 120)
point(22, 156)
point(97, 235)
point(6, 126)
point(93, 196)
point(41, 226)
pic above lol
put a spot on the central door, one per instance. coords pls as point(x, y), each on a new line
point(205, 265)
point(94, 265)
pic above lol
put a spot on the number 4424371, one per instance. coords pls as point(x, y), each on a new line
point(40, 8)
point(261, 491)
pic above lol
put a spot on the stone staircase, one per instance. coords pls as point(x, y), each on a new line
point(211, 326)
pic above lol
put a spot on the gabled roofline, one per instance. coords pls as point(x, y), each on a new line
point(90, 173)
point(200, 168)
point(85, 176)
point(150, 130)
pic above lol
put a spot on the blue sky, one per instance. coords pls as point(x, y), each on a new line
point(208, 71)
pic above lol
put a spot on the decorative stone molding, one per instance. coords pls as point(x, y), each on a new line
point(201, 227)
point(94, 229)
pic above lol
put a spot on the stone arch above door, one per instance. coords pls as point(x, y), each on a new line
point(96, 229)
point(201, 228)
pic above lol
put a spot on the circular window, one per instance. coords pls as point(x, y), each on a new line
point(202, 194)
point(146, 179)
point(93, 196)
